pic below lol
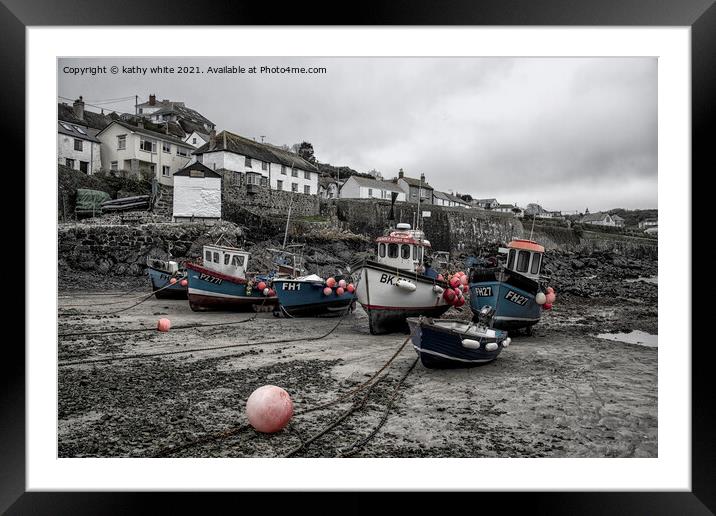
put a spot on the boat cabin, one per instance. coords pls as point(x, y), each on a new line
point(226, 260)
point(525, 257)
point(403, 248)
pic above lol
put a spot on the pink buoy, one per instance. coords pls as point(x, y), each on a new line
point(164, 324)
point(269, 409)
point(261, 286)
point(184, 283)
point(454, 281)
point(351, 288)
point(458, 292)
point(440, 277)
point(340, 291)
point(331, 282)
point(463, 280)
point(327, 291)
point(449, 296)
point(172, 281)
point(465, 288)
point(550, 298)
point(550, 290)
point(342, 283)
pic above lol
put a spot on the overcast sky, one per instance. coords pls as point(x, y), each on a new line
point(566, 133)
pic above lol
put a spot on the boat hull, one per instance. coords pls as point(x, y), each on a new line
point(388, 305)
point(512, 296)
point(299, 298)
point(440, 348)
point(209, 290)
point(161, 279)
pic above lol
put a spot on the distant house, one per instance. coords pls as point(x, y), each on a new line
point(618, 221)
point(415, 187)
point(196, 139)
point(446, 199)
point(511, 209)
point(357, 187)
point(139, 150)
point(329, 188)
point(167, 111)
point(258, 164)
point(598, 219)
point(77, 143)
point(197, 194)
point(648, 223)
point(485, 204)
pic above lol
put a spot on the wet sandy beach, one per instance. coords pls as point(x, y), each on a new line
point(560, 392)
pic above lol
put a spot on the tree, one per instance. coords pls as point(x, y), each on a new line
point(376, 174)
point(466, 197)
point(305, 150)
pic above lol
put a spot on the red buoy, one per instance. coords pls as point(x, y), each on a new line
point(340, 291)
point(172, 281)
point(454, 281)
point(449, 296)
point(440, 277)
point(331, 282)
point(351, 288)
point(261, 286)
point(269, 409)
point(164, 324)
point(184, 283)
point(327, 291)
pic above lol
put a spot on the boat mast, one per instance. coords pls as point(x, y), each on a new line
point(534, 215)
point(288, 218)
point(418, 216)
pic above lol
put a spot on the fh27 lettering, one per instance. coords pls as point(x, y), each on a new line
point(516, 298)
point(483, 291)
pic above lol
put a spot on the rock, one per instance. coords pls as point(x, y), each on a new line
point(577, 264)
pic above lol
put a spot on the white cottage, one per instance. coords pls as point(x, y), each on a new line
point(78, 148)
point(357, 187)
point(197, 139)
point(197, 194)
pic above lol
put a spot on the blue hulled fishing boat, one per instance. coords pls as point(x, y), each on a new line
point(453, 343)
point(512, 289)
point(161, 273)
point(222, 283)
point(312, 296)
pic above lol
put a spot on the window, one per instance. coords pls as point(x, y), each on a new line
point(381, 250)
point(536, 258)
point(405, 251)
point(181, 151)
point(424, 193)
point(415, 252)
point(165, 171)
point(237, 178)
point(70, 163)
point(80, 130)
point(114, 165)
point(264, 165)
point(283, 169)
point(237, 260)
point(167, 147)
point(227, 257)
point(511, 259)
point(66, 126)
point(370, 192)
point(84, 166)
point(392, 250)
point(523, 261)
point(294, 172)
point(247, 162)
point(147, 145)
point(307, 190)
point(264, 181)
point(192, 173)
point(78, 145)
point(208, 256)
point(193, 141)
point(216, 257)
point(140, 111)
point(294, 187)
point(306, 175)
point(279, 185)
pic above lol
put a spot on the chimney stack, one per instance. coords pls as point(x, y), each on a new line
point(140, 124)
point(152, 100)
point(422, 178)
point(400, 173)
point(212, 139)
point(78, 106)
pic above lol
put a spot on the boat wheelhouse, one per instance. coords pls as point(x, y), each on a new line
point(222, 282)
point(161, 272)
point(510, 288)
point(398, 284)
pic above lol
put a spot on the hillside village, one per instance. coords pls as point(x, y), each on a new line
point(177, 148)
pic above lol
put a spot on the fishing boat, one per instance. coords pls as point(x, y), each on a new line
point(161, 273)
point(454, 343)
point(398, 284)
point(221, 282)
point(312, 296)
point(510, 288)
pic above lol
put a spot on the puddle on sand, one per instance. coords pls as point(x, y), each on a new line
point(651, 279)
point(634, 337)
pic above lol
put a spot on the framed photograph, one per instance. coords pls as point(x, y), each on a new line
point(418, 253)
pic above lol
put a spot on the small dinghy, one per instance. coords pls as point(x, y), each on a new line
point(161, 273)
point(453, 343)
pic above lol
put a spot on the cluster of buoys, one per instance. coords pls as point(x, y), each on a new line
point(340, 287)
point(455, 295)
point(546, 300)
point(265, 289)
point(183, 282)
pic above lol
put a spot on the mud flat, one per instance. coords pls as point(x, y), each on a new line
point(560, 392)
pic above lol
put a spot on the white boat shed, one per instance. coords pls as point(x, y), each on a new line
point(197, 194)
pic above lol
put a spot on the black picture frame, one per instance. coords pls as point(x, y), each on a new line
point(700, 15)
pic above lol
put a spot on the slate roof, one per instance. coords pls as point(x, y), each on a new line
point(617, 217)
point(369, 182)
point(186, 171)
point(149, 132)
point(76, 131)
point(416, 182)
point(594, 217)
point(66, 113)
point(230, 142)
